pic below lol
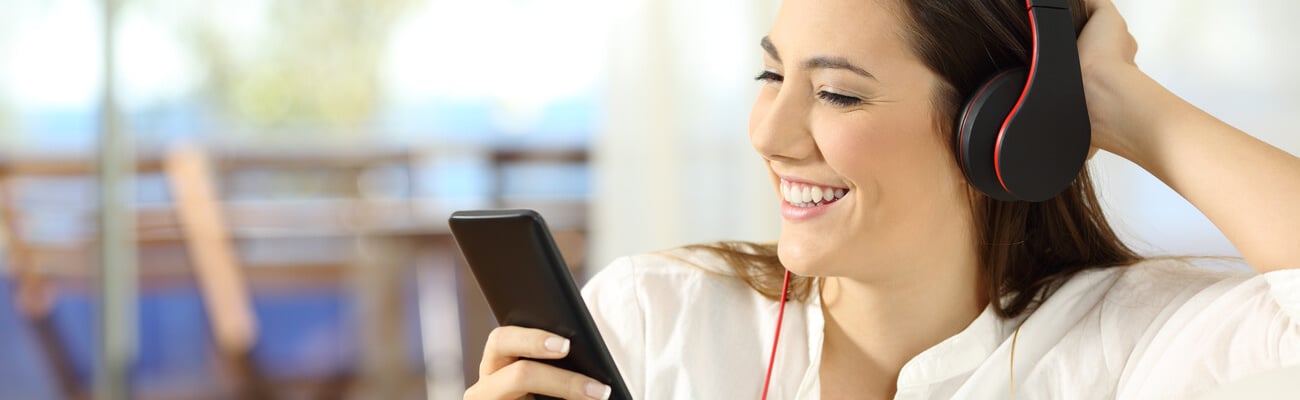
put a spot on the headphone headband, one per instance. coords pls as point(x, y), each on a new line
point(1061, 4)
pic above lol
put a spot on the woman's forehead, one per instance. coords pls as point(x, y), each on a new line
point(868, 32)
point(861, 30)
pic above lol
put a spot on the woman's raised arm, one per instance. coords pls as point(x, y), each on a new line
point(1249, 189)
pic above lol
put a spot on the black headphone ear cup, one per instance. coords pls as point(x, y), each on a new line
point(977, 129)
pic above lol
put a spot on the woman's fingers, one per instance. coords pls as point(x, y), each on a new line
point(526, 376)
point(508, 343)
point(1105, 38)
point(503, 375)
point(1107, 52)
point(1094, 5)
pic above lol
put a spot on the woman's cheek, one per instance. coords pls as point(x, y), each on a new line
point(856, 149)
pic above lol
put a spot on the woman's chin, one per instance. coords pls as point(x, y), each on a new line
point(799, 257)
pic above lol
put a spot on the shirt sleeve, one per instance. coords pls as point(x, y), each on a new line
point(613, 298)
point(1284, 286)
point(1225, 331)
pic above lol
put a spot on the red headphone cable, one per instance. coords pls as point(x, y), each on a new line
point(785, 289)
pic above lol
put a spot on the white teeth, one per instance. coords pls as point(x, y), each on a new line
point(800, 195)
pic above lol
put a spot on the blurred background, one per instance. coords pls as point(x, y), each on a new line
point(284, 170)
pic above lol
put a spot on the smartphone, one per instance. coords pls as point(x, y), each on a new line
point(526, 283)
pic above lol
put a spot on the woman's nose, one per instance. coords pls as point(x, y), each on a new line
point(779, 126)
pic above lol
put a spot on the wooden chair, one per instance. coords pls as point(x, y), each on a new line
point(195, 238)
point(216, 267)
point(337, 204)
point(196, 225)
point(33, 295)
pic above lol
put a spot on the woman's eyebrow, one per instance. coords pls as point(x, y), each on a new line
point(817, 62)
point(771, 49)
point(836, 63)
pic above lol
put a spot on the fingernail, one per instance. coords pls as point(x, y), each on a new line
point(596, 390)
point(557, 344)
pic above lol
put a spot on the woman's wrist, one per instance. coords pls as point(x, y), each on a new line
point(1131, 112)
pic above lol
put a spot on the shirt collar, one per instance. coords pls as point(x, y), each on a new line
point(958, 354)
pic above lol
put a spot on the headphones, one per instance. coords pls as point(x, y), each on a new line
point(1025, 135)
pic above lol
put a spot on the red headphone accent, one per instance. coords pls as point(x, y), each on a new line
point(785, 289)
point(997, 149)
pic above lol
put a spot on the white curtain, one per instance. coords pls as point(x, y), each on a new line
point(673, 164)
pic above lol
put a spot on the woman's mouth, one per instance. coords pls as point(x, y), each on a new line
point(804, 195)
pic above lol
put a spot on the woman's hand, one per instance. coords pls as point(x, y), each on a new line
point(504, 375)
point(1105, 40)
point(1111, 79)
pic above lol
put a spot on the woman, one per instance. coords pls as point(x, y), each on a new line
point(910, 284)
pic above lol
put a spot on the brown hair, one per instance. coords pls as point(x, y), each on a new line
point(1026, 249)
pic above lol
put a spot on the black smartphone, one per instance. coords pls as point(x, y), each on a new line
point(526, 283)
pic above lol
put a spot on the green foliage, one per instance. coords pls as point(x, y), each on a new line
point(317, 64)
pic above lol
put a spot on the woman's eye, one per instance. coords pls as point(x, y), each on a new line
point(838, 99)
point(769, 77)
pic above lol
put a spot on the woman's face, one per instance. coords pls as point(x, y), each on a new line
point(846, 124)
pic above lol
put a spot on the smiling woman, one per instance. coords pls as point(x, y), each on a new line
point(908, 282)
point(961, 54)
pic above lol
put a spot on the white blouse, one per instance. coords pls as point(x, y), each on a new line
point(1155, 330)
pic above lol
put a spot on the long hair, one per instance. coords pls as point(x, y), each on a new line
point(1025, 249)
